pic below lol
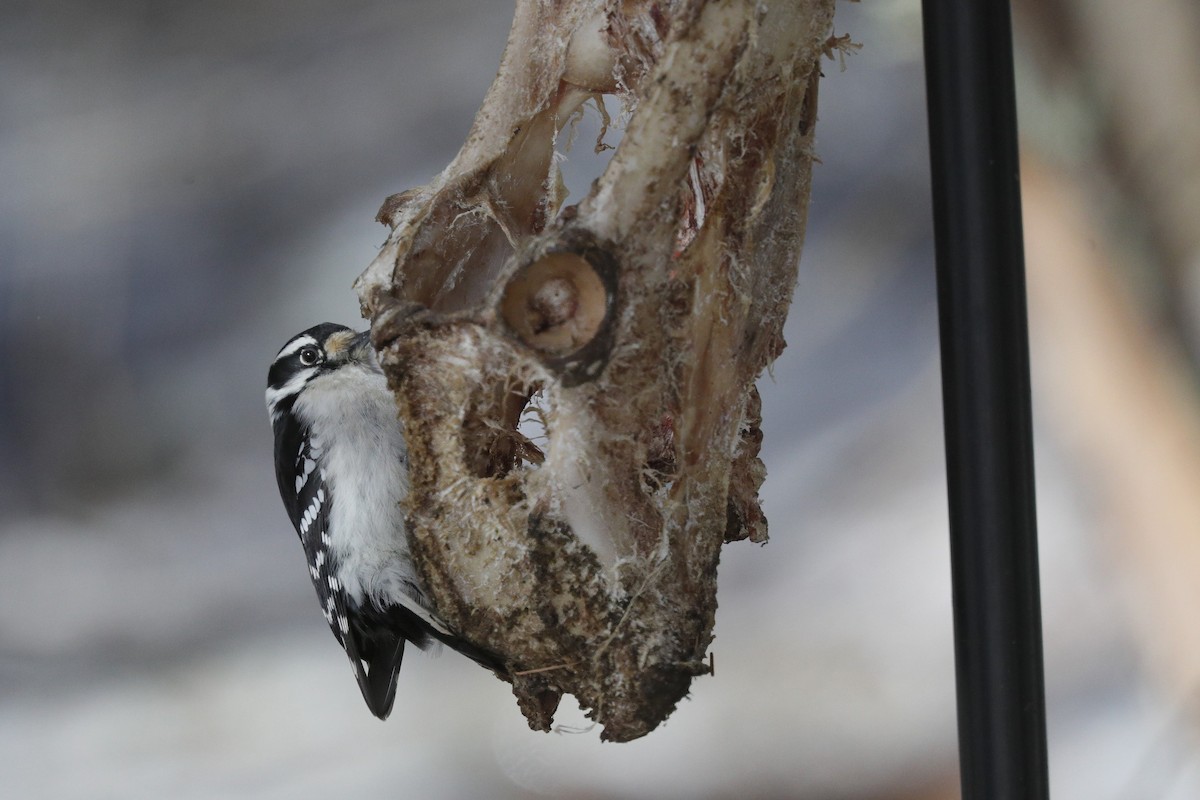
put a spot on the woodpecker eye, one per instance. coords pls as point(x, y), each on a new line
point(309, 355)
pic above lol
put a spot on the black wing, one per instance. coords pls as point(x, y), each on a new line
point(375, 653)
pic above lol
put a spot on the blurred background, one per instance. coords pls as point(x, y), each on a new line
point(183, 186)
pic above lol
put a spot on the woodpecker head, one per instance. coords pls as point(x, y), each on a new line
point(318, 351)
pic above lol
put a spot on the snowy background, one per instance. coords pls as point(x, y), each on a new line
point(183, 186)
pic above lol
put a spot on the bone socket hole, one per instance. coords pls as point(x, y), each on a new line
point(553, 304)
point(556, 304)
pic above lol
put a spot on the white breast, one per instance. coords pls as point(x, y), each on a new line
point(364, 463)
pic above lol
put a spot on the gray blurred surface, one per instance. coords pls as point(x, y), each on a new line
point(185, 185)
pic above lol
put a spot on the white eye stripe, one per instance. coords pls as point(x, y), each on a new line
point(294, 346)
point(292, 387)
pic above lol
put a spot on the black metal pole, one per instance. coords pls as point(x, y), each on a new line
point(985, 391)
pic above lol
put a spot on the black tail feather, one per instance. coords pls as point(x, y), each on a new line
point(482, 657)
point(416, 630)
point(377, 649)
point(377, 680)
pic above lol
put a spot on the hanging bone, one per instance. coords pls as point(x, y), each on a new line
point(640, 318)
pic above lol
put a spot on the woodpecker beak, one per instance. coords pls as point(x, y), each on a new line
point(360, 349)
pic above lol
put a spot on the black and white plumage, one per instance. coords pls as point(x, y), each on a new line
point(341, 464)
